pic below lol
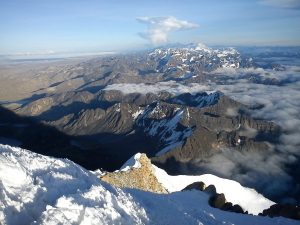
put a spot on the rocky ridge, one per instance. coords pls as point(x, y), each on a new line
point(141, 177)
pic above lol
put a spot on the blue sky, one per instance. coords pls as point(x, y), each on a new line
point(41, 26)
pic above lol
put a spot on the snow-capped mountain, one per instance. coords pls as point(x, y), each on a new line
point(37, 189)
point(191, 61)
point(160, 120)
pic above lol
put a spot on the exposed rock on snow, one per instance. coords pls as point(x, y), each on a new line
point(195, 186)
point(247, 198)
point(136, 173)
point(216, 200)
point(287, 210)
point(145, 176)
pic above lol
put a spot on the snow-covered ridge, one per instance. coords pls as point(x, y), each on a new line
point(197, 54)
point(36, 189)
point(247, 198)
point(132, 163)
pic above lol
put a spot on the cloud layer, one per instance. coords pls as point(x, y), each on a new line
point(159, 28)
point(281, 104)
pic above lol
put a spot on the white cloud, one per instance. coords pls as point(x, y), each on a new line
point(159, 28)
point(282, 3)
point(45, 52)
point(170, 86)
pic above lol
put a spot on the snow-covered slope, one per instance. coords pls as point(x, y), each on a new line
point(36, 189)
point(247, 198)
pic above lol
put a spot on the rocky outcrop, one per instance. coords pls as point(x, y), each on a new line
point(141, 177)
point(284, 210)
point(216, 200)
point(196, 185)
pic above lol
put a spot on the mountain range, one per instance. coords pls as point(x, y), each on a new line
point(182, 106)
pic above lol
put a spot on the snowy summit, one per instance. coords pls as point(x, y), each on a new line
point(37, 189)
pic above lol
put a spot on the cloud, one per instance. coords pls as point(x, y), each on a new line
point(159, 28)
point(295, 4)
point(170, 86)
point(280, 104)
point(253, 169)
point(46, 52)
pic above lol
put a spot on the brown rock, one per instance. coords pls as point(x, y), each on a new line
point(142, 178)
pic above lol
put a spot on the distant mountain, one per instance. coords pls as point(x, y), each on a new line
point(182, 127)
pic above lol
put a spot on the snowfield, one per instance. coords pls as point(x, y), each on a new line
point(235, 193)
point(36, 189)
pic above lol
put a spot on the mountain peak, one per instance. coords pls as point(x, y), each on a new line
point(203, 47)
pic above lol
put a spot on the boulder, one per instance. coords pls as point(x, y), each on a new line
point(196, 186)
point(237, 209)
point(228, 206)
point(211, 190)
point(217, 201)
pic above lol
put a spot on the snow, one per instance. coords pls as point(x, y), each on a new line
point(137, 113)
point(247, 198)
point(133, 162)
point(166, 129)
point(52, 191)
point(186, 75)
point(208, 100)
point(118, 107)
point(36, 189)
point(176, 139)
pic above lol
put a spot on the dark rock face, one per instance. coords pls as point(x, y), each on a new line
point(228, 206)
point(211, 190)
point(284, 210)
point(237, 209)
point(217, 201)
point(196, 185)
